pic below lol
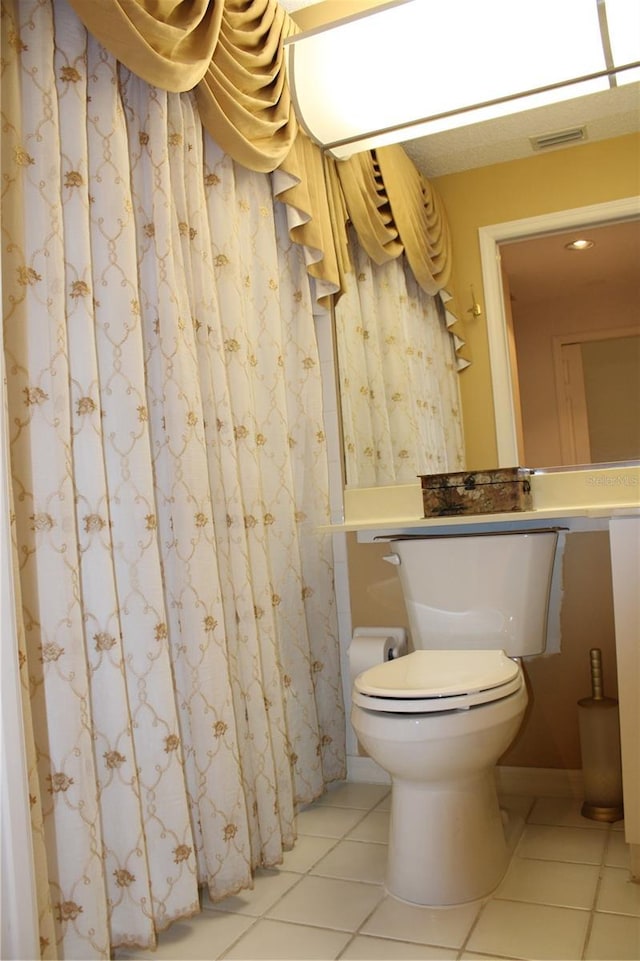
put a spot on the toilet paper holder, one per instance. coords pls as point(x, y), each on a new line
point(374, 645)
point(398, 634)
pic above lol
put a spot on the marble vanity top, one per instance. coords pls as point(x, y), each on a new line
point(579, 498)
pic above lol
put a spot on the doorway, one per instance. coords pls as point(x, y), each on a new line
point(597, 372)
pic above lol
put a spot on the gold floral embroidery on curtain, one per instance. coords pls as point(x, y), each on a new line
point(400, 401)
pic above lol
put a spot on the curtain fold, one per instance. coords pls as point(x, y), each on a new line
point(168, 44)
point(368, 206)
point(419, 217)
point(244, 98)
point(169, 474)
point(306, 182)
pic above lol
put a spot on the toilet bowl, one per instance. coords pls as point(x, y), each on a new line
point(438, 719)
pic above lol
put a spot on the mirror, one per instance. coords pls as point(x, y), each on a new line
point(578, 306)
point(603, 116)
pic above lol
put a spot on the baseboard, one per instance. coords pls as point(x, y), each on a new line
point(363, 769)
point(534, 781)
point(539, 781)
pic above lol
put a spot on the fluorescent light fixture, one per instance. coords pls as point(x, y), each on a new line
point(411, 68)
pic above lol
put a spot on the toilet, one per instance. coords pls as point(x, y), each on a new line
point(439, 718)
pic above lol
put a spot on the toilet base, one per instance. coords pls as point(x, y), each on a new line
point(447, 842)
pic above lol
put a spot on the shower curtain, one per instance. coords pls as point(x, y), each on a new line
point(172, 610)
point(401, 409)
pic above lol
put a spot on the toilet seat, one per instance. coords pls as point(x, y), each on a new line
point(437, 680)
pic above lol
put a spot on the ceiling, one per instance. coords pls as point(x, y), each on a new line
point(611, 113)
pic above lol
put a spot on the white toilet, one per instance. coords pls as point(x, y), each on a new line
point(438, 719)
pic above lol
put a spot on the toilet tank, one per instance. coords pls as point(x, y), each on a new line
point(475, 591)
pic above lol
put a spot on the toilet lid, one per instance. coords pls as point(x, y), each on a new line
point(427, 674)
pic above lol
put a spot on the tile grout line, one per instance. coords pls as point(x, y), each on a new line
point(596, 893)
point(303, 875)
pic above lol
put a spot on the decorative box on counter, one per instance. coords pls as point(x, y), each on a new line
point(477, 492)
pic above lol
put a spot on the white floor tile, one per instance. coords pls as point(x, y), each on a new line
point(617, 853)
point(307, 851)
point(328, 821)
point(354, 795)
point(517, 804)
point(328, 902)
point(204, 936)
point(355, 861)
point(268, 887)
point(513, 930)
point(562, 844)
point(381, 949)
point(278, 941)
point(614, 938)
point(550, 882)
point(618, 893)
point(472, 956)
point(563, 812)
point(385, 803)
point(373, 827)
point(445, 927)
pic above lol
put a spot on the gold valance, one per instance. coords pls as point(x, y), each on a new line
point(244, 99)
point(308, 183)
point(168, 44)
point(368, 207)
point(232, 53)
point(419, 217)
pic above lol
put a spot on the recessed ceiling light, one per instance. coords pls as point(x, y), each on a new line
point(579, 245)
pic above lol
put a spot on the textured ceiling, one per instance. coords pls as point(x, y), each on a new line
point(611, 113)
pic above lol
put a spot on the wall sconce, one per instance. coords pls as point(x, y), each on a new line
point(409, 68)
point(475, 310)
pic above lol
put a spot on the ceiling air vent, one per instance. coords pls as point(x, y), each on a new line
point(558, 139)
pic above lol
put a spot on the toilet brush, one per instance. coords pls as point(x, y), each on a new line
point(599, 726)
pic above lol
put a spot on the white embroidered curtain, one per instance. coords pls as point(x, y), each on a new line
point(176, 624)
point(401, 413)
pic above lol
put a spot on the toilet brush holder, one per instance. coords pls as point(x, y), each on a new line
point(599, 726)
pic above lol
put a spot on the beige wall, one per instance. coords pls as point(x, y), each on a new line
point(549, 735)
point(576, 176)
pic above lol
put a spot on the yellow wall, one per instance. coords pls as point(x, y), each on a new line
point(577, 176)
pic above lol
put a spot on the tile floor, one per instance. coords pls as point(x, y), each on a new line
point(566, 895)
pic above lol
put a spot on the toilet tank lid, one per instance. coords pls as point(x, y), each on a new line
point(437, 674)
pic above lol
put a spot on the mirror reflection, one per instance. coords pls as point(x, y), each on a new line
point(397, 373)
point(574, 319)
point(609, 280)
